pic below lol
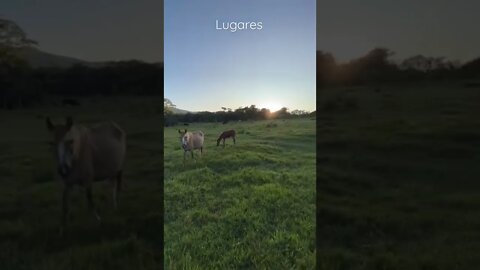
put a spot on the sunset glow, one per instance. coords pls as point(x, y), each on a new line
point(272, 106)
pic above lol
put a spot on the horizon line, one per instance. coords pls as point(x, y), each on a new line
point(162, 61)
point(241, 107)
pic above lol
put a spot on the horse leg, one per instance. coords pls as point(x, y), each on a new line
point(223, 142)
point(234, 142)
point(193, 156)
point(184, 157)
point(66, 192)
point(119, 180)
point(116, 188)
point(114, 193)
point(91, 205)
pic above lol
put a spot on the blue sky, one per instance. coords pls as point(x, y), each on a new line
point(103, 30)
point(206, 69)
point(99, 30)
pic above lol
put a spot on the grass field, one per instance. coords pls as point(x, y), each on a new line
point(30, 193)
point(245, 206)
point(399, 171)
point(398, 174)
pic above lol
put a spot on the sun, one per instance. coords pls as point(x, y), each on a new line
point(272, 106)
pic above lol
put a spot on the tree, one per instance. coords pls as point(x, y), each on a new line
point(426, 64)
point(251, 112)
point(282, 113)
point(471, 69)
point(417, 63)
point(325, 67)
point(299, 112)
point(375, 66)
point(265, 113)
point(11, 35)
point(14, 71)
point(12, 38)
point(168, 106)
point(378, 57)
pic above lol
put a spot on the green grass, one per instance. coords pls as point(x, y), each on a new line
point(245, 206)
point(128, 238)
point(399, 178)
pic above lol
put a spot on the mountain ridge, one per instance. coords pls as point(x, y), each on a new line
point(37, 58)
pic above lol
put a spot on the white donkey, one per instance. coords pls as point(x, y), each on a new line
point(86, 155)
point(191, 141)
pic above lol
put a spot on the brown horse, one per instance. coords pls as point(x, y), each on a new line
point(86, 155)
point(226, 134)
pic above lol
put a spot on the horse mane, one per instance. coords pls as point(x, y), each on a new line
point(117, 132)
point(81, 139)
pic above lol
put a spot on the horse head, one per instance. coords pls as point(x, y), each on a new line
point(63, 145)
point(184, 138)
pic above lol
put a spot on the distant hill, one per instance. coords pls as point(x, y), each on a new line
point(180, 111)
point(37, 58)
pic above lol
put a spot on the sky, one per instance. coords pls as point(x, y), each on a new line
point(92, 30)
point(101, 30)
point(206, 68)
point(350, 28)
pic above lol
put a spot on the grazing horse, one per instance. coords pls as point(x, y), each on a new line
point(191, 141)
point(86, 155)
point(226, 134)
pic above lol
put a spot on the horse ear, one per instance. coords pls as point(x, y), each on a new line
point(69, 122)
point(179, 131)
point(185, 130)
point(49, 124)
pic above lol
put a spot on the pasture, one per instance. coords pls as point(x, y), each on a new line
point(30, 193)
point(397, 173)
point(398, 176)
point(245, 206)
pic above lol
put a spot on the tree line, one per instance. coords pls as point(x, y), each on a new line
point(227, 115)
point(22, 85)
point(377, 67)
